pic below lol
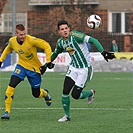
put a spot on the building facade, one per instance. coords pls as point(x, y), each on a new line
point(41, 16)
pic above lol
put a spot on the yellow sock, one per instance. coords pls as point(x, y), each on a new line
point(43, 93)
point(8, 98)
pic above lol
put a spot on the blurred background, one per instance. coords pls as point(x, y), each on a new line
point(40, 18)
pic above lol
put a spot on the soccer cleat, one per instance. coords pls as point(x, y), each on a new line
point(5, 115)
point(91, 98)
point(64, 119)
point(48, 98)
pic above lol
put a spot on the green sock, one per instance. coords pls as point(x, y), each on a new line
point(66, 104)
point(85, 94)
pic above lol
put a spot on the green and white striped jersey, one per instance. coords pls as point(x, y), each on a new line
point(76, 47)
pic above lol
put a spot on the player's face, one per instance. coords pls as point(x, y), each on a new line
point(64, 31)
point(21, 35)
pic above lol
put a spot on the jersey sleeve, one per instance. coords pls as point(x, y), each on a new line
point(78, 36)
point(96, 43)
point(40, 43)
point(81, 37)
point(57, 51)
point(8, 49)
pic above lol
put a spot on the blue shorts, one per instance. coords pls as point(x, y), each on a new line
point(33, 77)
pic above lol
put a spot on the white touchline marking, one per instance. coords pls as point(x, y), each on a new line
point(95, 78)
point(110, 109)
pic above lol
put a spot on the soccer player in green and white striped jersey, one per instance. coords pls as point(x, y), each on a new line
point(80, 69)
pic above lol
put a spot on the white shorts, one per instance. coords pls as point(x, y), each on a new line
point(80, 75)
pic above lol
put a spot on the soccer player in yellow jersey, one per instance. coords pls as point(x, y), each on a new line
point(28, 66)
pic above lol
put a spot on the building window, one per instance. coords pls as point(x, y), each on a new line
point(116, 22)
point(7, 22)
point(119, 22)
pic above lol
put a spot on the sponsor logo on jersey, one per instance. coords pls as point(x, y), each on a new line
point(20, 51)
point(70, 50)
point(29, 57)
point(28, 47)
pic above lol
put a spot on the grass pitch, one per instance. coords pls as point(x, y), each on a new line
point(111, 112)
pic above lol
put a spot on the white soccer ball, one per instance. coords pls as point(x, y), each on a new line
point(94, 21)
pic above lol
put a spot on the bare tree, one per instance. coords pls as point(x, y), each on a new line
point(2, 3)
point(59, 13)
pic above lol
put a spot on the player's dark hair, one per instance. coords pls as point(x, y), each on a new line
point(20, 27)
point(61, 22)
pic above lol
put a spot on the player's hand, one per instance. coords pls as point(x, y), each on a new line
point(0, 64)
point(43, 69)
point(50, 65)
point(108, 55)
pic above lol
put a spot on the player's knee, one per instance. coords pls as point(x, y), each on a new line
point(35, 95)
point(76, 92)
point(75, 96)
point(35, 92)
point(14, 81)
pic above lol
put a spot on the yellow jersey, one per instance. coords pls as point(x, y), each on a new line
point(27, 52)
